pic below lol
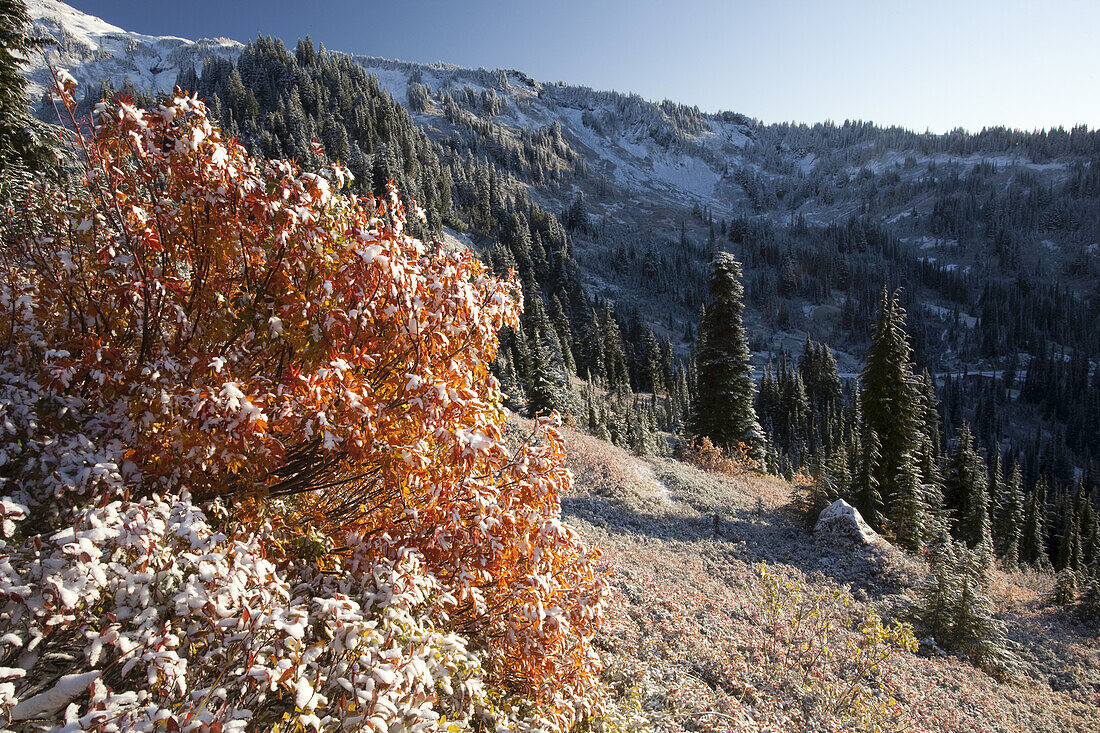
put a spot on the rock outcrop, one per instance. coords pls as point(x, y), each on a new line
point(842, 521)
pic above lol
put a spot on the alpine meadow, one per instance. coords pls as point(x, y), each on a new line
point(342, 393)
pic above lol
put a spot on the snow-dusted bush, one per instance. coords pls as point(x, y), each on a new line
point(142, 617)
point(186, 321)
point(703, 453)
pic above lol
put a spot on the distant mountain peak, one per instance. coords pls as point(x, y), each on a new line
point(96, 51)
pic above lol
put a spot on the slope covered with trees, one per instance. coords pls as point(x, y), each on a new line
point(991, 235)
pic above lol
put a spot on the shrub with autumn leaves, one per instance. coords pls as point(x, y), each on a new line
point(252, 464)
point(703, 453)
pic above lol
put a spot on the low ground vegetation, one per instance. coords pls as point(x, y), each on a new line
point(690, 642)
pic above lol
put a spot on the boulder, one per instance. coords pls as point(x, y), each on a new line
point(842, 521)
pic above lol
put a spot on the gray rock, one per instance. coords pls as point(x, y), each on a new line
point(842, 521)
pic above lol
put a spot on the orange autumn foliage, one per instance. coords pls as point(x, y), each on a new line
point(709, 457)
point(243, 330)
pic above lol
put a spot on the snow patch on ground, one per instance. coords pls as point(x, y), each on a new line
point(457, 240)
point(394, 81)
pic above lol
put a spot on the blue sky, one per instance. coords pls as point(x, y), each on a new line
point(925, 65)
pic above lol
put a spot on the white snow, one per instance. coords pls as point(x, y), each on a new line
point(393, 81)
point(95, 51)
point(454, 240)
point(80, 25)
point(45, 704)
point(926, 242)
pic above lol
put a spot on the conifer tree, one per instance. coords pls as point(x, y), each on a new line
point(929, 416)
point(939, 594)
point(649, 364)
point(547, 379)
point(1008, 525)
point(22, 146)
point(767, 402)
point(794, 411)
point(995, 490)
point(865, 489)
point(890, 404)
point(679, 399)
point(1086, 524)
point(836, 468)
point(817, 367)
point(929, 466)
point(976, 633)
point(595, 360)
point(520, 356)
point(1069, 548)
point(668, 369)
point(618, 376)
point(723, 406)
point(953, 606)
point(565, 333)
point(1033, 551)
point(966, 488)
point(908, 519)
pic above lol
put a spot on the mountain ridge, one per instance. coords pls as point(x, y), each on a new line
point(985, 231)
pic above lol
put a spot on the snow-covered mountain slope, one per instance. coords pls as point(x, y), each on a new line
point(658, 154)
point(664, 184)
point(95, 51)
point(631, 142)
point(667, 150)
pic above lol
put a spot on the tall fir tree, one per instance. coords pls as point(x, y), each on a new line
point(939, 593)
point(865, 489)
point(723, 406)
point(819, 373)
point(23, 146)
point(594, 367)
point(565, 333)
point(1069, 547)
point(1033, 549)
point(909, 518)
point(890, 403)
point(966, 486)
point(929, 414)
point(547, 380)
point(618, 377)
point(995, 491)
point(1008, 520)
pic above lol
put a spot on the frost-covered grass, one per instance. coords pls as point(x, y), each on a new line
point(689, 615)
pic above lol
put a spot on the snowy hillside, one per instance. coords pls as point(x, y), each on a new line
point(95, 51)
point(657, 154)
point(664, 184)
point(633, 143)
point(630, 141)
